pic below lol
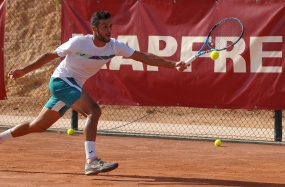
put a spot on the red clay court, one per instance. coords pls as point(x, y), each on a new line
point(53, 159)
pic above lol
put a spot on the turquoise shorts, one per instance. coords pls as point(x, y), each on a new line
point(65, 91)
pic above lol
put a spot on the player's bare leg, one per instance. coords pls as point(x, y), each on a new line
point(89, 108)
point(41, 123)
point(45, 119)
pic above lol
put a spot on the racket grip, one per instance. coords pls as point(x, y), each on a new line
point(188, 61)
point(191, 59)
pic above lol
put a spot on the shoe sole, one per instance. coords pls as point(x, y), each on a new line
point(91, 173)
point(102, 171)
point(110, 169)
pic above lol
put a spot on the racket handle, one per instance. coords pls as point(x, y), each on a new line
point(191, 59)
point(188, 61)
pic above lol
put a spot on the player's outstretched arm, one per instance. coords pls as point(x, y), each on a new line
point(39, 62)
point(154, 60)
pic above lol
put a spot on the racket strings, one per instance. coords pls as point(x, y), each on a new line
point(225, 34)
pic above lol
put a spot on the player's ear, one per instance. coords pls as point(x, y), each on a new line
point(94, 28)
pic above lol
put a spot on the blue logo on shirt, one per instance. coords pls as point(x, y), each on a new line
point(94, 57)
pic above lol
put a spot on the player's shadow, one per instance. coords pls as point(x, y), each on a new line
point(47, 172)
point(158, 180)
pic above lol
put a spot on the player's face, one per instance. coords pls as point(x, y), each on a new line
point(104, 30)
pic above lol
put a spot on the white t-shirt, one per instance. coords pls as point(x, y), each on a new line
point(83, 59)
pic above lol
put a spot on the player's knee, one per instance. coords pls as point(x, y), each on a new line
point(96, 112)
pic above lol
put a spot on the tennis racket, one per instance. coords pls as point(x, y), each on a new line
point(225, 34)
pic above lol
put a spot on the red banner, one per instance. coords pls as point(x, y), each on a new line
point(250, 76)
point(2, 27)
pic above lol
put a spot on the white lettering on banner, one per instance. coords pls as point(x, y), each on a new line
point(76, 34)
point(239, 63)
point(153, 47)
point(187, 48)
point(256, 54)
point(220, 63)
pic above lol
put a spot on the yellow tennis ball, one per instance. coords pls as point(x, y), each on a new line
point(214, 55)
point(218, 142)
point(70, 131)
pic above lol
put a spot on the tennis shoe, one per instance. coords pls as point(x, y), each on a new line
point(99, 166)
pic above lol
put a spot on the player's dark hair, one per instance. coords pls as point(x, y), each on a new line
point(99, 15)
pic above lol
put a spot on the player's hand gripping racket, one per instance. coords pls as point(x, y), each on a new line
point(226, 33)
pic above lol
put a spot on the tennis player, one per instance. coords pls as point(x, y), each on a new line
point(84, 56)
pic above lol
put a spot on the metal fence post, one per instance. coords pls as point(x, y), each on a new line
point(74, 119)
point(278, 126)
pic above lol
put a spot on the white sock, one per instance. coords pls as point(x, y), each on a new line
point(90, 151)
point(6, 135)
